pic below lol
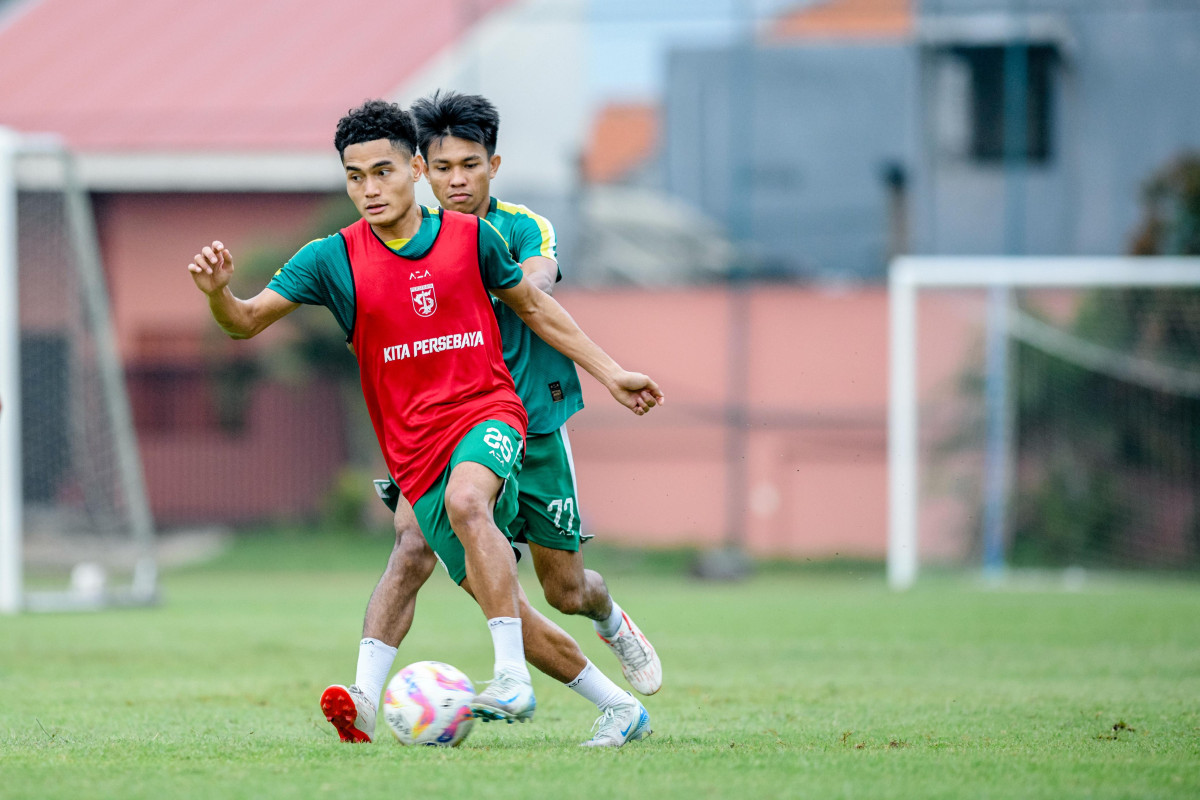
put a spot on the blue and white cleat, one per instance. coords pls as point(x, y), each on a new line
point(627, 722)
point(509, 696)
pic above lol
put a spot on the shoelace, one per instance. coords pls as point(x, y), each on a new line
point(631, 650)
point(502, 686)
point(609, 726)
point(604, 723)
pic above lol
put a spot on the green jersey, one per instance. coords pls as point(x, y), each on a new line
point(546, 380)
point(319, 274)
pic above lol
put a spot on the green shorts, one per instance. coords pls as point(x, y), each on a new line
point(548, 504)
point(497, 446)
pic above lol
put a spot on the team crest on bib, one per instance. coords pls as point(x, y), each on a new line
point(423, 299)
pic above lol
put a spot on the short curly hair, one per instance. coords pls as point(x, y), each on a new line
point(376, 119)
point(463, 116)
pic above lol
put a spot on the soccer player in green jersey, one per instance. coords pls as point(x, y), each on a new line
point(410, 290)
point(457, 136)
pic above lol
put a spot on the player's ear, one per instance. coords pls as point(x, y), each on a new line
point(418, 167)
point(493, 166)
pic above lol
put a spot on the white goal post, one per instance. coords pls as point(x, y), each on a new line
point(53, 295)
point(910, 275)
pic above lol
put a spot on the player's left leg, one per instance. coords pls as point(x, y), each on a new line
point(548, 647)
point(583, 591)
point(552, 650)
point(470, 496)
point(569, 587)
point(550, 523)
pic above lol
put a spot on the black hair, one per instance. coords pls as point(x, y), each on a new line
point(463, 116)
point(376, 119)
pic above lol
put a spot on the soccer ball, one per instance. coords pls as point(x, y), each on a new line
point(429, 703)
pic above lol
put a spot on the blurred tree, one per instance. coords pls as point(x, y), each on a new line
point(1171, 225)
point(1092, 443)
point(308, 344)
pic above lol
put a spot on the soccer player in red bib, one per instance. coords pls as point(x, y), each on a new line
point(411, 291)
point(457, 136)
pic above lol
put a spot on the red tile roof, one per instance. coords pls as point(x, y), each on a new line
point(623, 136)
point(845, 19)
point(217, 74)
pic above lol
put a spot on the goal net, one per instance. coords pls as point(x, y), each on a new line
point(75, 528)
point(1044, 413)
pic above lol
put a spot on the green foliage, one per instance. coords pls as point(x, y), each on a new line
point(1171, 225)
point(314, 345)
point(790, 685)
point(1117, 431)
point(349, 503)
point(1071, 517)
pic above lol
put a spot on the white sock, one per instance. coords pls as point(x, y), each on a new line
point(595, 686)
point(374, 663)
point(510, 648)
point(608, 627)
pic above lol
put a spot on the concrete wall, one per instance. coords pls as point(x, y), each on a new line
point(1122, 107)
point(813, 383)
point(815, 393)
point(788, 147)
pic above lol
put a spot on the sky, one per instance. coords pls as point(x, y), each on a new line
point(630, 39)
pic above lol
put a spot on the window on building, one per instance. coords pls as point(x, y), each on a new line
point(988, 82)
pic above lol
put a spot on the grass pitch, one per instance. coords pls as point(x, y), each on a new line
point(797, 683)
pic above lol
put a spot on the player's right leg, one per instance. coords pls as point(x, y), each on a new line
point(352, 709)
point(392, 605)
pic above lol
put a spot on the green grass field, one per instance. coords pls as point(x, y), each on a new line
point(797, 683)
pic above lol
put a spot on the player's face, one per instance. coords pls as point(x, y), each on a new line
point(380, 179)
point(460, 174)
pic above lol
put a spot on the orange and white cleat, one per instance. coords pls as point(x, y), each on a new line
point(639, 663)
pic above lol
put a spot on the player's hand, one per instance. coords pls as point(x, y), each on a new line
point(212, 268)
point(636, 392)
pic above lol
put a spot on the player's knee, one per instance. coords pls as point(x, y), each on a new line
point(416, 551)
point(411, 554)
point(467, 509)
point(404, 523)
point(564, 598)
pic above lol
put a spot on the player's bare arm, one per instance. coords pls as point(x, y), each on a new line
point(541, 272)
point(549, 320)
point(212, 269)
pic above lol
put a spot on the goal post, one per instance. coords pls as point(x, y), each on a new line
point(71, 479)
point(996, 314)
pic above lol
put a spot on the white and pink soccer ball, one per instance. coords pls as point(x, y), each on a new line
point(429, 703)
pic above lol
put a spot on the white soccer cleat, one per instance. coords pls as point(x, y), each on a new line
point(349, 711)
point(508, 697)
point(639, 662)
point(627, 722)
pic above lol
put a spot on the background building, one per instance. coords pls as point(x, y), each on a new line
point(725, 225)
point(848, 131)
